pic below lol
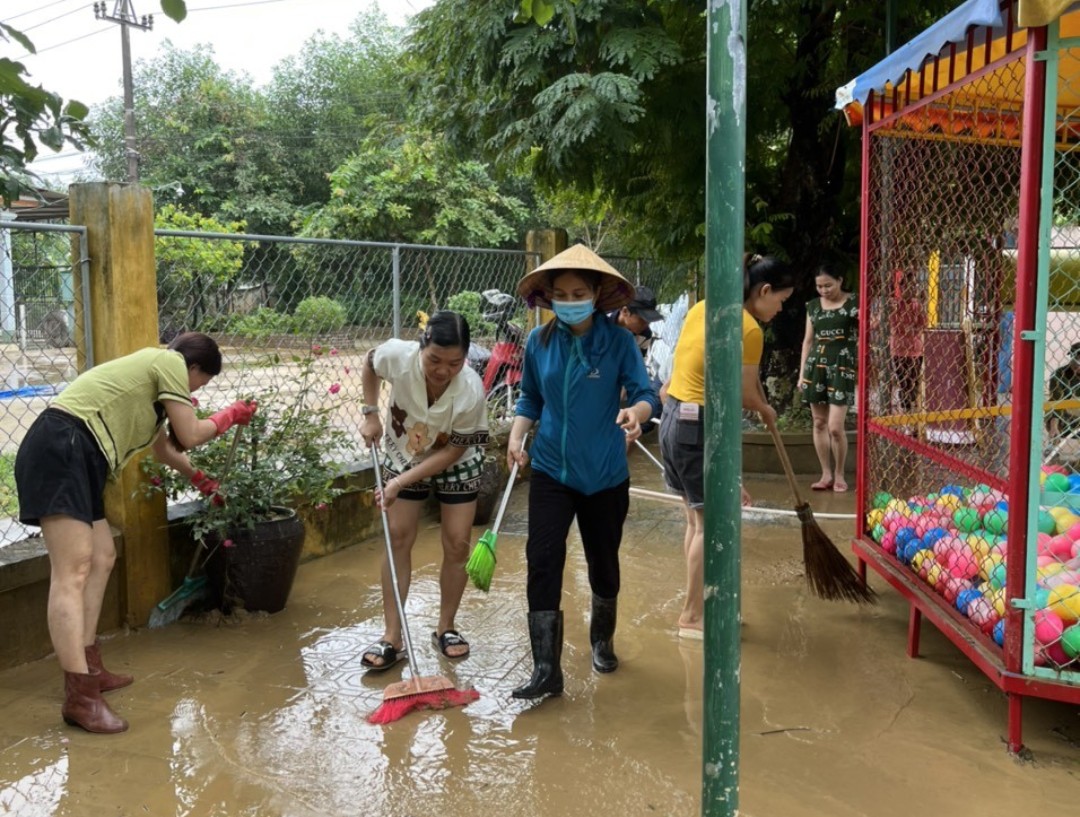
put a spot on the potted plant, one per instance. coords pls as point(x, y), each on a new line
point(287, 457)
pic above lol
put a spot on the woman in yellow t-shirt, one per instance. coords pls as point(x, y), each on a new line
point(767, 283)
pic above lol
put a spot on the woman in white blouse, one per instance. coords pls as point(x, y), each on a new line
point(436, 430)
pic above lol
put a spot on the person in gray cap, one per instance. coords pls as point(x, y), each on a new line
point(637, 315)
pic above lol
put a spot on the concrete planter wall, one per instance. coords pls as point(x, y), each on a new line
point(759, 453)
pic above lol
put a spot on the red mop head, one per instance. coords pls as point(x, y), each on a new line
point(393, 709)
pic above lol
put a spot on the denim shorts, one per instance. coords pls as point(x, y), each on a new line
point(682, 447)
point(60, 471)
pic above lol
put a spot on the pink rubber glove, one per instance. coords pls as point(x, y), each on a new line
point(239, 413)
point(208, 487)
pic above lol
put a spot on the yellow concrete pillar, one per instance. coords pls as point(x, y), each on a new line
point(548, 243)
point(123, 308)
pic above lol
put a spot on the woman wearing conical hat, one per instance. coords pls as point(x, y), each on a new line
point(576, 367)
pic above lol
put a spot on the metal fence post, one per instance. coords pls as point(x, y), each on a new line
point(397, 290)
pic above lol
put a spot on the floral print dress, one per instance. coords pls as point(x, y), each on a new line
point(831, 364)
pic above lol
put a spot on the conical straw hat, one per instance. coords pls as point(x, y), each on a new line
point(615, 291)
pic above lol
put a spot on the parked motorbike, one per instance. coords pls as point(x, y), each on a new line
point(500, 367)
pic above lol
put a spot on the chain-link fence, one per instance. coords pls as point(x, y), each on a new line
point(284, 310)
point(39, 300)
point(941, 287)
point(272, 303)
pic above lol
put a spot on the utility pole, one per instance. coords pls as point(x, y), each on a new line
point(124, 15)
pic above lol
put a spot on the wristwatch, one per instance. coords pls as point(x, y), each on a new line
point(366, 410)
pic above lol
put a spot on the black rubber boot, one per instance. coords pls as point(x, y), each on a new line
point(602, 633)
point(546, 636)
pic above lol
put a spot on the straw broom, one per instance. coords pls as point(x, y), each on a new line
point(829, 574)
point(418, 692)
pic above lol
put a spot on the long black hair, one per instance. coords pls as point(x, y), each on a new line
point(198, 350)
point(446, 328)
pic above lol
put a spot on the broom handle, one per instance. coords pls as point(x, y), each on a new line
point(782, 453)
point(507, 490)
point(393, 568)
point(648, 454)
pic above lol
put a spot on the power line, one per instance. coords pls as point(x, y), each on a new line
point(65, 42)
point(35, 11)
point(57, 17)
point(237, 5)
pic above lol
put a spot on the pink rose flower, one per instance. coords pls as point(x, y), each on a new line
point(322, 506)
point(347, 370)
point(334, 388)
point(195, 401)
point(155, 481)
point(316, 350)
point(228, 543)
point(333, 351)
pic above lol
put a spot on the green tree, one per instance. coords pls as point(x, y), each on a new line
point(194, 276)
point(30, 114)
point(205, 131)
point(324, 100)
point(408, 185)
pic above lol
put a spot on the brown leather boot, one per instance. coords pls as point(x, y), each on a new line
point(84, 706)
point(107, 681)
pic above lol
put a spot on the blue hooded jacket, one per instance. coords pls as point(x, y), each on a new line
point(572, 386)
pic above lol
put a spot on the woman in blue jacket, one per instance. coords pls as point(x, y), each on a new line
point(576, 367)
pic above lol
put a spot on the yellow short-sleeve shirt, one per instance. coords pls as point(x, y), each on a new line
point(688, 365)
point(753, 340)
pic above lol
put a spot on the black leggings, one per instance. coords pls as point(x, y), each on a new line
point(600, 517)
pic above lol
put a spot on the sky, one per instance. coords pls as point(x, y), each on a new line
point(79, 57)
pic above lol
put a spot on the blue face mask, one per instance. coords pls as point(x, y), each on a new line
point(572, 312)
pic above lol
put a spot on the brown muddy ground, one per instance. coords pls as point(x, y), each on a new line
point(265, 715)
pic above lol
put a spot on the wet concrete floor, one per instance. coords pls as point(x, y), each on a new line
point(264, 715)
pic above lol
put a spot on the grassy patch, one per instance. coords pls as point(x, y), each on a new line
point(9, 501)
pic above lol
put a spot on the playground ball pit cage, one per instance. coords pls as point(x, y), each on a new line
point(969, 446)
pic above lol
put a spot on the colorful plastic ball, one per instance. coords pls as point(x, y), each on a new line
point(965, 597)
point(878, 533)
point(1074, 532)
point(1048, 626)
point(1064, 521)
point(1044, 573)
point(988, 564)
point(1057, 482)
point(982, 614)
point(962, 563)
point(1074, 481)
point(949, 502)
point(1070, 641)
point(967, 519)
point(996, 578)
point(1056, 655)
point(888, 541)
point(996, 521)
point(909, 551)
point(955, 490)
point(881, 499)
point(933, 535)
point(897, 505)
point(875, 517)
point(1065, 601)
point(1046, 523)
point(1042, 597)
point(999, 633)
point(935, 574)
point(904, 535)
point(922, 560)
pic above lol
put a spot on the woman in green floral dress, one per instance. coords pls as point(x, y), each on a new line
point(828, 373)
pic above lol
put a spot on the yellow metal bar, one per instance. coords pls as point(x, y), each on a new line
point(966, 414)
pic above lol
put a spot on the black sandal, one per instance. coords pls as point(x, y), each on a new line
point(389, 654)
point(451, 638)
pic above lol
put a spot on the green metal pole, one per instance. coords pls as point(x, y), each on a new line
point(725, 212)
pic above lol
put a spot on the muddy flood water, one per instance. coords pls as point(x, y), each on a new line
point(264, 715)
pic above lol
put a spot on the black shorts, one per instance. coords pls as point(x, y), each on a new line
point(682, 447)
point(59, 470)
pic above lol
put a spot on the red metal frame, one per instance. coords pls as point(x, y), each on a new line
point(1002, 666)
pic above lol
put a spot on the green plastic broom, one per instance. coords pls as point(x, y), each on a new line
point(193, 588)
point(481, 564)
